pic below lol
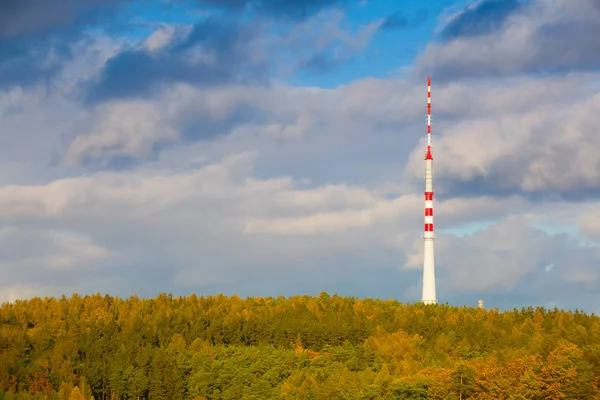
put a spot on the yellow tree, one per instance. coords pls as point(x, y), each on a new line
point(76, 394)
point(560, 376)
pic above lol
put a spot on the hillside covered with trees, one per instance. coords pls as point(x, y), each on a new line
point(325, 347)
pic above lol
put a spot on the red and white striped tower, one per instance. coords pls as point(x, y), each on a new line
point(428, 235)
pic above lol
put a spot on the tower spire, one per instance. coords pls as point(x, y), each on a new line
point(429, 296)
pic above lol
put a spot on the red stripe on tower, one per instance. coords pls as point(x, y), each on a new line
point(428, 195)
point(428, 156)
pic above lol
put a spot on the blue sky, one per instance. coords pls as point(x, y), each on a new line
point(406, 28)
point(263, 147)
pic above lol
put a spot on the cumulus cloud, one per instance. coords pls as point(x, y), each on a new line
point(23, 62)
point(129, 214)
point(39, 120)
point(161, 37)
point(41, 48)
point(502, 255)
point(212, 54)
point(480, 18)
point(221, 51)
point(154, 221)
point(589, 221)
point(138, 128)
point(36, 41)
point(34, 16)
point(36, 260)
point(322, 43)
point(540, 36)
point(510, 264)
point(250, 116)
point(526, 136)
point(26, 251)
point(337, 212)
point(190, 168)
point(124, 129)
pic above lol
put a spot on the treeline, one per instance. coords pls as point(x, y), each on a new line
point(326, 347)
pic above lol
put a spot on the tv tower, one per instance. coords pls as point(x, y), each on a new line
point(428, 235)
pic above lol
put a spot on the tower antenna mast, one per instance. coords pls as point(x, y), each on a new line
point(429, 296)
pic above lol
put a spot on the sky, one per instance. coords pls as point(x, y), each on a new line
point(275, 148)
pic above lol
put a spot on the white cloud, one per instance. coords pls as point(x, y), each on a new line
point(54, 250)
point(543, 36)
point(220, 214)
point(237, 186)
point(306, 41)
point(512, 145)
point(215, 209)
point(129, 128)
point(504, 255)
point(91, 53)
point(589, 221)
point(160, 37)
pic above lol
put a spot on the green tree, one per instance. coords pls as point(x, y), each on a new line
point(463, 381)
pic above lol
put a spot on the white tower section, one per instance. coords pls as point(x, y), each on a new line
point(429, 296)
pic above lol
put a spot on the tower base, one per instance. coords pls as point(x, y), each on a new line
point(429, 302)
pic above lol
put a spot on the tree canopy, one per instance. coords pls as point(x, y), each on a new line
point(302, 347)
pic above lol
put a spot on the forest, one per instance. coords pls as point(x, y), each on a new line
point(301, 347)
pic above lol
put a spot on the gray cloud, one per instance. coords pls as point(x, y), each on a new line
point(489, 138)
point(58, 62)
point(150, 222)
point(525, 137)
point(219, 50)
point(483, 17)
point(221, 196)
point(313, 198)
point(38, 121)
point(26, 61)
point(210, 226)
point(21, 17)
point(503, 255)
point(589, 222)
point(540, 37)
point(321, 44)
point(127, 131)
point(224, 51)
point(213, 53)
point(37, 37)
point(510, 264)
